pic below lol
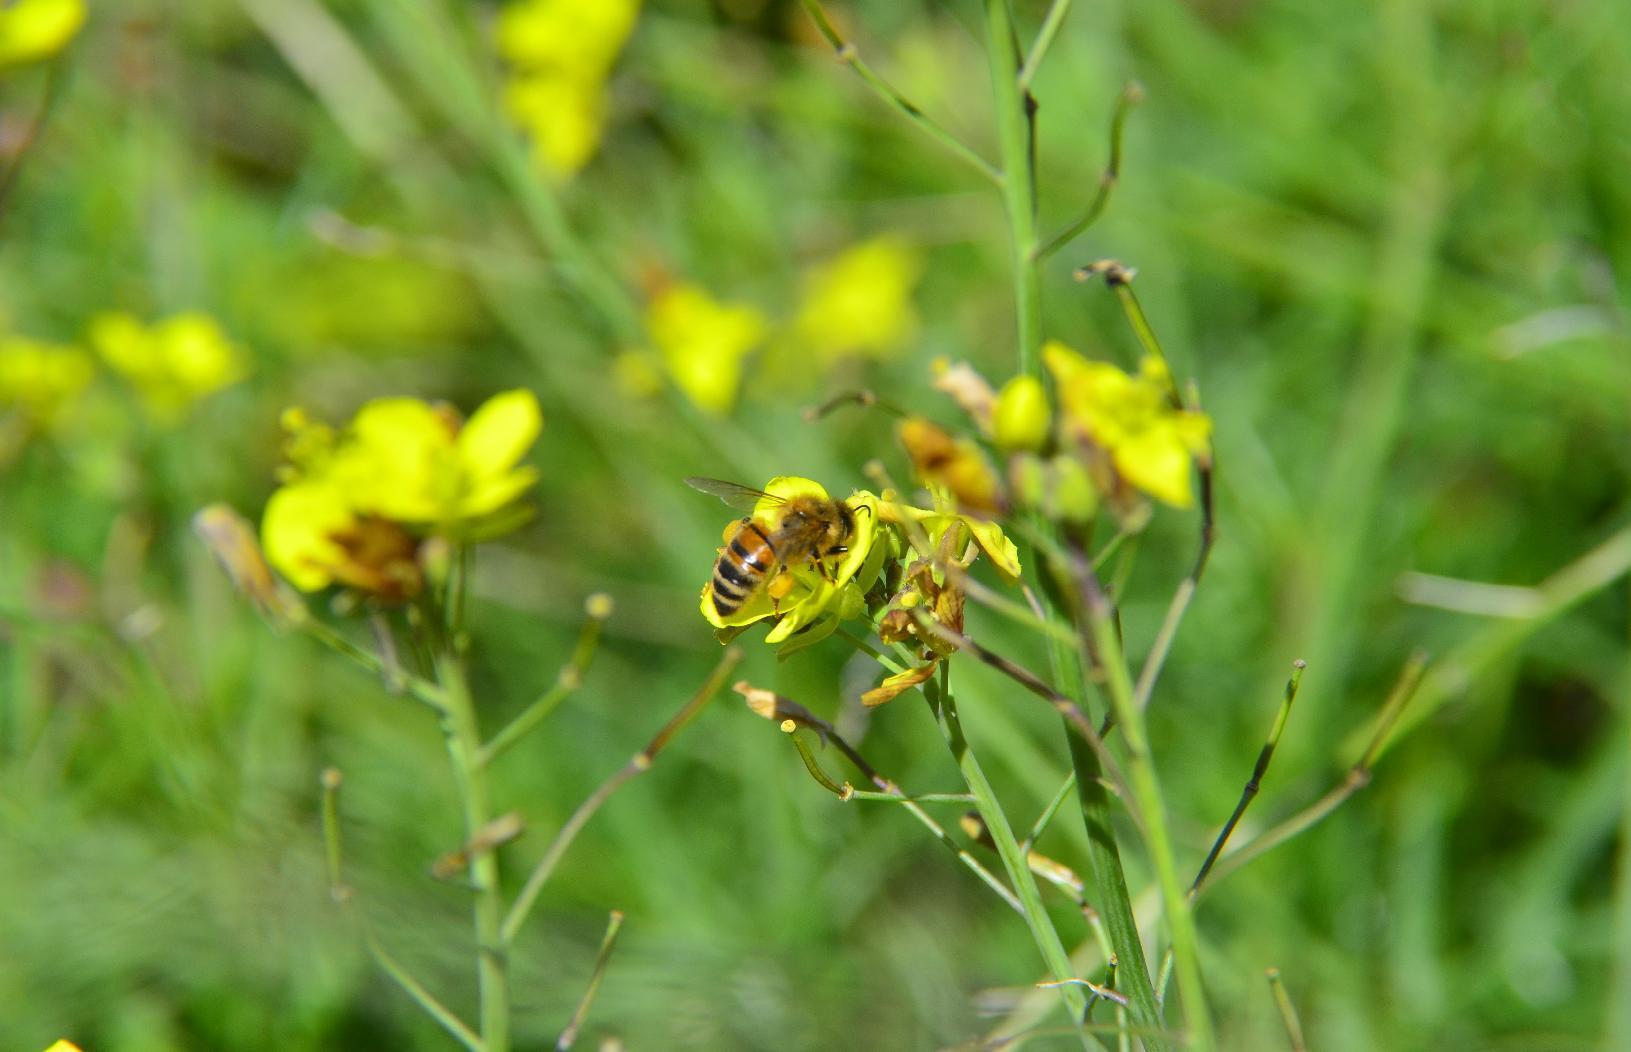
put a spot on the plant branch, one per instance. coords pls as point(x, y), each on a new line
point(1253, 783)
point(1051, 24)
point(1146, 790)
point(1014, 862)
point(1016, 132)
point(613, 925)
point(341, 893)
point(1288, 1011)
point(1131, 95)
point(597, 609)
point(1358, 776)
point(637, 765)
point(782, 710)
point(849, 56)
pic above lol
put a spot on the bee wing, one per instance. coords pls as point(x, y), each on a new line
point(744, 497)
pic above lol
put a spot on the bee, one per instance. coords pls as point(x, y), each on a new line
point(808, 529)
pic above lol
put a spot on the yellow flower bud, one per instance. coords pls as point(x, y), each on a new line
point(1022, 417)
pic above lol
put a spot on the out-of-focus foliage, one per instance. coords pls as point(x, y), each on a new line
point(1392, 242)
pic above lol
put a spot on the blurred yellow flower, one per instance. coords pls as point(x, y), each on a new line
point(41, 379)
point(812, 596)
point(561, 52)
point(567, 37)
point(703, 342)
point(1152, 443)
point(860, 302)
point(412, 462)
point(315, 537)
point(172, 363)
point(63, 1045)
point(562, 117)
point(32, 30)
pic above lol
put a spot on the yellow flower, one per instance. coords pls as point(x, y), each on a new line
point(315, 537)
point(926, 531)
point(703, 342)
point(173, 363)
point(860, 302)
point(1153, 444)
point(41, 379)
point(32, 30)
point(408, 461)
point(812, 597)
point(63, 1045)
point(562, 52)
point(568, 37)
point(562, 116)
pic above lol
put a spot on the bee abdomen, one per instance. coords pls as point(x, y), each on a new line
point(741, 568)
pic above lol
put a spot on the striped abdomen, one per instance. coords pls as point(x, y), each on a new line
point(743, 566)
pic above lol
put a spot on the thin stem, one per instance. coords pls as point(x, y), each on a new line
point(773, 706)
point(395, 677)
point(422, 997)
point(597, 609)
point(427, 1001)
point(1063, 704)
point(637, 765)
point(1002, 835)
point(1253, 783)
point(1051, 25)
point(1288, 1011)
point(1045, 819)
point(847, 54)
point(1146, 789)
point(1015, 118)
point(1131, 95)
point(1358, 776)
point(331, 779)
point(470, 776)
point(613, 925)
point(915, 798)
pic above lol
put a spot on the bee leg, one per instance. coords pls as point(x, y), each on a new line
point(778, 588)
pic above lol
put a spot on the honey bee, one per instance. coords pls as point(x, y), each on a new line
point(808, 529)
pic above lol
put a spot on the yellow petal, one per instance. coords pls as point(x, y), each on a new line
point(498, 434)
point(1157, 463)
point(297, 531)
point(31, 30)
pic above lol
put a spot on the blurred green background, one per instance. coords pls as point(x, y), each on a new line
point(1390, 242)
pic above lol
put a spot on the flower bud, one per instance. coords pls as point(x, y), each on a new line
point(1073, 497)
point(1021, 418)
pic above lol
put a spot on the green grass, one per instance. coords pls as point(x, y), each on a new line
point(1354, 227)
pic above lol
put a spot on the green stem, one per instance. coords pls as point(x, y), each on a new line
point(1016, 135)
point(1051, 25)
point(1146, 790)
point(847, 54)
point(1115, 905)
point(1002, 835)
point(470, 775)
